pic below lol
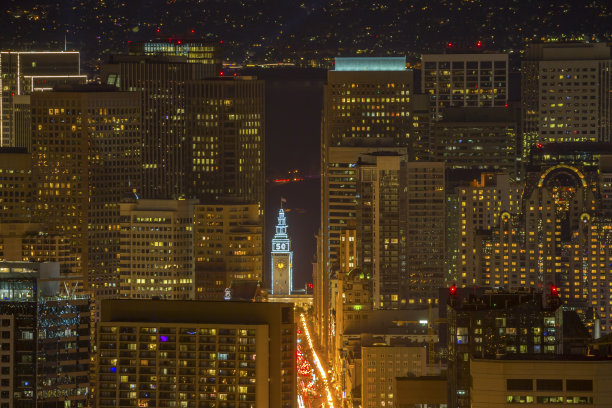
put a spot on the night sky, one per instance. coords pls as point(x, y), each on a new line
point(299, 31)
point(294, 103)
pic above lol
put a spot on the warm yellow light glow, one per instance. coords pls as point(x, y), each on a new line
point(330, 400)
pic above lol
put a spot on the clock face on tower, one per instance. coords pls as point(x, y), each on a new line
point(280, 265)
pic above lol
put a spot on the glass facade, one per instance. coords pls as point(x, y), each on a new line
point(44, 346)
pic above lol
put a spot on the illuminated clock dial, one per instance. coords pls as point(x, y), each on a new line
point(280, 265)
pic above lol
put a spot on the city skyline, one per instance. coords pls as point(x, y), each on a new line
point(255, 203)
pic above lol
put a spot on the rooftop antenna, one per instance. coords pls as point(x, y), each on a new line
point(65, 45)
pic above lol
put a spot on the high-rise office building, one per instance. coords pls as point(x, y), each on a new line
point(465, 80)
point(156, 249)
point(205, 354)
point(15, 185)
point(498, 324)
point(550, 229)
point(425, 227)
point(206, 53)
point(160, 78)
point(226, 127)
point(566, 93)
point(401, 229)
point(475, 138)
point(31, 242)
point(381, 227)
point(366, 108)
point(24, 72)
point(85, 157)
point(480, 206)
point(114, 173)
point(543, 243)
point(45, 338)
point(228, 247)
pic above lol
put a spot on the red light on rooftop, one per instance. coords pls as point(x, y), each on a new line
point(158, 30)
point(539, 145)
point(178, 42)
point(452, 290)
point(479, 44)
point(220, 41)
point(554, 291)
point(449, 45)
point(505, 105)
point(220, 73)
point(192, 31)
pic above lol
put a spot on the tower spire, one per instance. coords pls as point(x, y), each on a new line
point(282, 257)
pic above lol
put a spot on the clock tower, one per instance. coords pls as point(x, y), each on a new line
point(282, 258)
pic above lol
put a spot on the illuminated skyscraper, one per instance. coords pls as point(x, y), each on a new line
point(566, 93)
point(367, 104)
point(160, 78)
point(86, 158)
point(228, 246)
point(156, 249)
point(498, 324)
point(282, 258)
point(468, 80)
point(557, 234)
point(226, 128)
point(480, 205)
point(401, 229)
point(476, 138)
point(23, 72)
point(15, 185)
point(45, 343)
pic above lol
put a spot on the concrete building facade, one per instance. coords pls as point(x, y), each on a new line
point(539, 383)
point(207, 354)
point(156, 249)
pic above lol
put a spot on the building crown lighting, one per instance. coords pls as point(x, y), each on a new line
point(370, 64)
